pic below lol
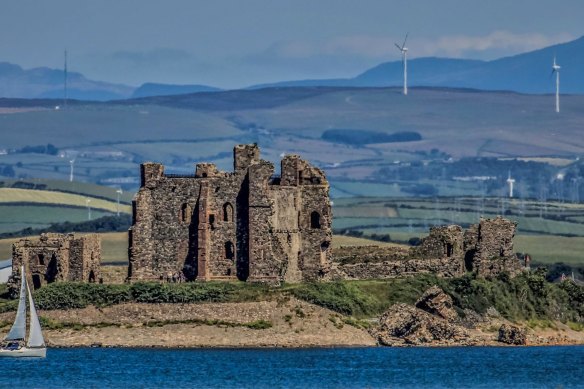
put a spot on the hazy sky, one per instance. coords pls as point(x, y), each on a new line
point(234, 43)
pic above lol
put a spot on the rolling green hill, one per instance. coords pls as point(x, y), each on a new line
point(109, 140)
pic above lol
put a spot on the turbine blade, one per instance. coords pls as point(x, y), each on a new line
point(399, 48)
point(404, 45)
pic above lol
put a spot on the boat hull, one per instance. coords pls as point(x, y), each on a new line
point(24, 352)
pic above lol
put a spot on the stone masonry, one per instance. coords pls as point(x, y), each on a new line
point(448, 251)
point(57, 257)
point(488, 247)
point(247, 224)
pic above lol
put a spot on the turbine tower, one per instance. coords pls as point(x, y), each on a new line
point(119, 192)
point(65, 82)
point(556, 69)
point(510, 181)
point(71, 163)
point(404, 51)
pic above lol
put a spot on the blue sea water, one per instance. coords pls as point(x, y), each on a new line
point(468, 367)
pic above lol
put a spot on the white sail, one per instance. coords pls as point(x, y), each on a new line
point(35, 337)
point(18, 330)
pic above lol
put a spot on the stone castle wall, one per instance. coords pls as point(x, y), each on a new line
point(247, 224)
point(448, 251)
point(58, 257)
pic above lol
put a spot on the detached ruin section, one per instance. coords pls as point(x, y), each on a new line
point(448, 251)
point(247, 224)
point(58, 257)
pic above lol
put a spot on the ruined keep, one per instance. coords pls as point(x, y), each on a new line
point(247, 224)
point(57, 257)
point(488, 247)
point(448, 251)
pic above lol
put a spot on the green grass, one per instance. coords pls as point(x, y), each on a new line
point(551, 249)
point(45, 197)
point(51, 324)
point(18, 217)
point(522, 298)
point(292, 120)
point(113, 123)
point(70, 295)
point(527, 297)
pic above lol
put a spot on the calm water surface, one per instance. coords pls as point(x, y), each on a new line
point(484, 367)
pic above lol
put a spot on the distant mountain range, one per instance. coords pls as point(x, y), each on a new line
point(15, 82)
point(152, 89)
point(525, 73)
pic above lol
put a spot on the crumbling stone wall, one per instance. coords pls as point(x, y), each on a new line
point(448, 251)
point(247, 224)
point(57, 257)
point(489, 247)
point(440, 253)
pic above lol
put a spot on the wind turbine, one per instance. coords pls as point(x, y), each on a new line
point(87, 201)
point(510, 181)
point(404, 51)
point(556, 69)
point(71, 162)
point(119, 192)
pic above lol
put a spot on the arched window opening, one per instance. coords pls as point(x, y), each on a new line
point(229, 252)
point(315, 220)
point(212, 221)
point(40, 259)
point(91, 276)
point(227, 212)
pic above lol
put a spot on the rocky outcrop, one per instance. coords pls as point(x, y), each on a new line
point(430, 322)
point(404, 324)
point(436, 302)
point(512, 335)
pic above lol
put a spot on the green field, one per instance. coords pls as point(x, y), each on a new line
point(17, 217)
point(45, 197)
point(182, 130)
point(417, 215)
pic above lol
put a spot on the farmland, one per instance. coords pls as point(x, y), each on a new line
point(471, 141)
point(57, 202)
point(113, 138)
point(549, 231)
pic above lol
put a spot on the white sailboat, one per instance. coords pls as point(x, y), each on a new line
point(14, 343)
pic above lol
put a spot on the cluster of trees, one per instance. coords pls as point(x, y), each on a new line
point(360, 234)
point(363, 137)
point(7, 171)
point(48, 149)
point(527, 296)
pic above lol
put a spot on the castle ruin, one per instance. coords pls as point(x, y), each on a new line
point(58, 257)
point(248, 224)
point(448, 251)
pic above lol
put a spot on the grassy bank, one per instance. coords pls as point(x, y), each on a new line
point(526, 297)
